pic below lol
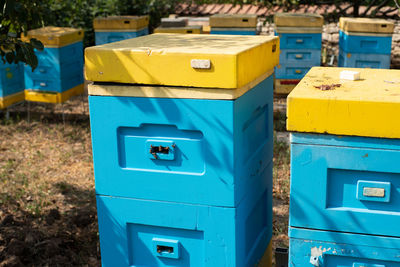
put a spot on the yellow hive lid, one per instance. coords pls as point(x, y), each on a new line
point(366, 25)
point(196, 60)
point(55, 36)
point(120, 22)
point(298, 20)
point(233, 20)
point(366, 107)
point(187, 29)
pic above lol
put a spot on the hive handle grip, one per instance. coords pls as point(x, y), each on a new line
point(373, 191)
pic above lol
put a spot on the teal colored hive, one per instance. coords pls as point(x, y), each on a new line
point(11, 84)
point(345, 171)
point(59, 74)
point(365, 43)
point(300, 44)
point(11, 79)
point(117, 28)
point(105, 37)
point(183, 175)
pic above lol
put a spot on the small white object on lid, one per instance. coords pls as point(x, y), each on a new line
point(349, 75)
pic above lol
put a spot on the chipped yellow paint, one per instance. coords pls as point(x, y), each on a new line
point(11, 99)
point(165, 59)
point(173, 92)
point(120, 22)
point(367, 107)
point(47, 97)
point(187, 29)
point(298, 20)
point(55, 36)
point(284, 87)
point(266, 260)
point(366, 25)
point(233, 21)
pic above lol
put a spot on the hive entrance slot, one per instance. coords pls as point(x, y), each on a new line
point(245, 20)
point(165, 249)
point(127, 22)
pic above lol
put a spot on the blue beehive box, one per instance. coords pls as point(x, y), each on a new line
point(344, 169)
point(180, 168)
point(59, 74)
point(365, 43)
point(11, 84)
point(117, 28)
point(233, 24)
point(300, 45)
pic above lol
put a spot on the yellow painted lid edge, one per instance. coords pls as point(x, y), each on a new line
point(126, 90)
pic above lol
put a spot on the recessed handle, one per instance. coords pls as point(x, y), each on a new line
point(166, 248)
point(299, 41)
point(299, 56)
point(298, 71)
point(43, 84)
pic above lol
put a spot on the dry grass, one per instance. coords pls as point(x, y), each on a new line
point(47, 198)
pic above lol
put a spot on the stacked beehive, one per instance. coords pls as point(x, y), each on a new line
point(365, 43)
point(116, 28)
point(345, 171)
point(235, 24)
point(177, 25)
point(59, 74)
point(183, 150)
point(11, 84)
point(300, 44)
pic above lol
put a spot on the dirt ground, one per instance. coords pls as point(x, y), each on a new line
point(47, 198)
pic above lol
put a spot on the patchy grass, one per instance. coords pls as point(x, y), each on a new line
point(281, 190)
point(48, 210)
point(47, 198)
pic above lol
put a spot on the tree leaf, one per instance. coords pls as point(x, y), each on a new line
point(37, 44)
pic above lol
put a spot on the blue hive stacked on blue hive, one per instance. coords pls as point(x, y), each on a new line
point(234, 24)
point(59, 74)
point(182, 143)
point(345, 171)
point(301, 41)
point(116, 28)
point(365, 43)
point(11, 84)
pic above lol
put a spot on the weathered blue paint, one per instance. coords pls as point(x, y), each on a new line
point(11, 79)
point(300, 40)
point(358, 60)
point(58, 70)
point(287, 71)
point(332, 249)
point(234, 32)
point(222, 147)
point(299, 52)
point(189, 235)
point(105, 37)
point(328, 174)
point(300, 57)
point(365, 44)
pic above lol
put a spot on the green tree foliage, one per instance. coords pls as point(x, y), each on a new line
point(80, 13)
point(16, 18)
